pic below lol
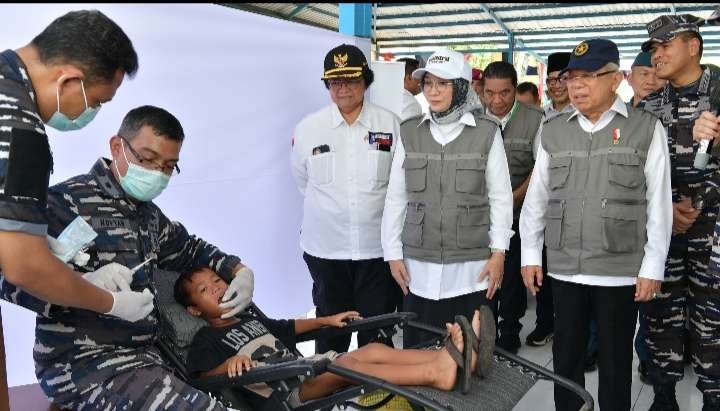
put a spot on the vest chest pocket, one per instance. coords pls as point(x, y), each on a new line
point(472, 227)
point(624, 170)
point(379, 166)
point(415, 173)
point(554, 225)
point(619, 227)
point(321, 168)
point(470, 175)
point(520, 156)
point(413, 227)
point(559, 171)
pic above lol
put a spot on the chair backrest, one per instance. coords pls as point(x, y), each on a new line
point(177, 326)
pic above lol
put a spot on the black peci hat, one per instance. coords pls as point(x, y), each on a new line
point(344, 61)
point(557, 61)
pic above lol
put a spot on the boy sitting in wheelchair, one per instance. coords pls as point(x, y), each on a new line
point(229, 346)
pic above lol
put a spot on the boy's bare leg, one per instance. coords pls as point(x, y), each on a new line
point(382, 354)
point(440, 373)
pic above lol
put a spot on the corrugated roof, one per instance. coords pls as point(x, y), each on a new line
point(542, 28)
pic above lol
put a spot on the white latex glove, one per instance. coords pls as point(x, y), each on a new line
point(242, 289)
point(56, 247)
point(111, 277)
point(131, 305)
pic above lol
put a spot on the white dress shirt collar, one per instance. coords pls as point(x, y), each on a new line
point(338, 119)
point(468, 119)
point(617, 107)
point(506, 118)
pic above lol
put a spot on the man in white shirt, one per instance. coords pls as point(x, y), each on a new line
point(341, 160)
point(411, 88)
point(600, 193)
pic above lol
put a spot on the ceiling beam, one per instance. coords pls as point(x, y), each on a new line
point(512, 40)
point(562, 6)
point(270, 13)
point(501, 9)
point(300, 7)
point(578, 31)
point(565, 16)
point(618, 39)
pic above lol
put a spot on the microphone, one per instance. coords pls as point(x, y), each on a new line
point(702, 156)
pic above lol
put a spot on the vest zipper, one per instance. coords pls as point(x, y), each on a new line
point(582, 207)
point(442, 165)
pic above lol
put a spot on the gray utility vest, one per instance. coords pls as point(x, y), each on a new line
point(448, 212)
point(518, 136)
point(597, 212)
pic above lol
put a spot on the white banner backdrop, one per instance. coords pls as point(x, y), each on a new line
point(239, 83)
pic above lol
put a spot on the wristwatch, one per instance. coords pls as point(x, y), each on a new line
point(497, 250)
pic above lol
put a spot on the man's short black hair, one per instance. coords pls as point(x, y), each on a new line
point(688, 35)
point(528, 87)
point(162, 122)
point(89, 40)
point(411, 65)
point(180, 292)
point(501, 70)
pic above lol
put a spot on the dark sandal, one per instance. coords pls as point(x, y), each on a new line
point(486, 345)
point(467, 333)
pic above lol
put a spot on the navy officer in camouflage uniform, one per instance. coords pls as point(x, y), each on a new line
point(86, 360)
point(689, 289)
point(60, 78)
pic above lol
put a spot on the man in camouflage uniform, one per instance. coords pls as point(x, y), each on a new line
point(689, 289)
point(60, 79)
point(86, 360)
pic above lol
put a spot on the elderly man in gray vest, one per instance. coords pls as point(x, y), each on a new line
point(600, 194)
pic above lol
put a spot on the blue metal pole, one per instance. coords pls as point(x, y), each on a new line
point(355, 19)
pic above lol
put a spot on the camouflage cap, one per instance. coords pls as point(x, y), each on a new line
point(665, 28)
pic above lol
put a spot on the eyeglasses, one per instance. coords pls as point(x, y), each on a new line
point(337, 84)
point(584, 78)
point(441, 86)
point(151, 164)
point(553, 81)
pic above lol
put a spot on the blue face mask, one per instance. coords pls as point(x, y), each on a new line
point(61, 122)
point(140, 183)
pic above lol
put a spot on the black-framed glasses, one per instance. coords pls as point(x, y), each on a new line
point(151, 164)
point(553, 81)
point(337, 84)
point(586, 77)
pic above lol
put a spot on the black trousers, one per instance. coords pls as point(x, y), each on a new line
point(615, 312)
point(510, 302)
point(437, 313)
point(365, 286)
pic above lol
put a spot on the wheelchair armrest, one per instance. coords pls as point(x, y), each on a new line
point(370, 323)
point(266, 373)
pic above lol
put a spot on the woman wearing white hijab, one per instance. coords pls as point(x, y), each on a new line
point(448, 212)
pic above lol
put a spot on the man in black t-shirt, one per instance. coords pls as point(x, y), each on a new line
point(229, 346)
